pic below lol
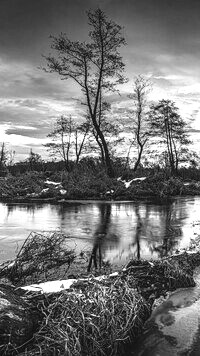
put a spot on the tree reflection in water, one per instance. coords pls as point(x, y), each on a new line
point(29, 208)
point(156, 229)
point(99, 236)
point(139, 229)
point(153, 230)
point(115, 232)
point(168, 230)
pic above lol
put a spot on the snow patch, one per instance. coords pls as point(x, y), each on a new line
point(110, 191)
point(127, 184)
point(58, 286)
point(139, 179)
point(11, 265)
point(50, 287)
point(45, 190)
point(58, 184)
point(63, 191)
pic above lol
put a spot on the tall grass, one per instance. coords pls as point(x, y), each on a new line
point(96, 318)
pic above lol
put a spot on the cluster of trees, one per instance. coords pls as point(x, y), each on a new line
point(98, 69)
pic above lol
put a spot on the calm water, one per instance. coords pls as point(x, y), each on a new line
point(119, 231)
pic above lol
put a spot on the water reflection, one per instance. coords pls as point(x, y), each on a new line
point(139, 228)
point(170, 229)
point(99, 236)
point(113, 232)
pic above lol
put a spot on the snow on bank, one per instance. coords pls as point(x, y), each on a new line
point(60, 285)
point(53, 183)
point(50, 287)
point(63, 191)
point(127, 184)
point(56, 184)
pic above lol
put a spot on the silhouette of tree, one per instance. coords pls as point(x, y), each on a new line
point(139, 123)
point(68, 139)
point(171, 129)
point(95, 66)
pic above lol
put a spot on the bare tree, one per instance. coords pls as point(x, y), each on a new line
point(61, 139)
point(139, 124)
point(171, 130)
point(95, 66)
point(68, 139)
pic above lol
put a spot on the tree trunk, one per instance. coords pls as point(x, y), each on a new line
point(108, 163)
point(139, 158)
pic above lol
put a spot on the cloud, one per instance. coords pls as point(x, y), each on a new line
point(27, 132)
point(162, 39)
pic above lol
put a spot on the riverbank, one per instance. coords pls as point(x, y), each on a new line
point(35, 186)
point(98, 315)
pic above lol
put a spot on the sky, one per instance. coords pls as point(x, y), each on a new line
point(163, 44)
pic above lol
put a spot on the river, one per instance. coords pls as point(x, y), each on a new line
point(122, 230)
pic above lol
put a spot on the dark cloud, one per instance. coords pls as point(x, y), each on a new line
point(20, 117)
point(163, 40)
point(26, 25)
point(24, 80)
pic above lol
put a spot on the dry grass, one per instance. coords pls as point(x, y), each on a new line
point(155, 278)
point(95, 318)
point(40, 253)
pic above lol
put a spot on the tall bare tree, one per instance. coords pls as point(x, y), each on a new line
point(139, 122)
point(96, 67)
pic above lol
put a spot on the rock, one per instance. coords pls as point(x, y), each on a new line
point(17, 321)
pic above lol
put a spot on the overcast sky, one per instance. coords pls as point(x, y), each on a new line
point(163, 42)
